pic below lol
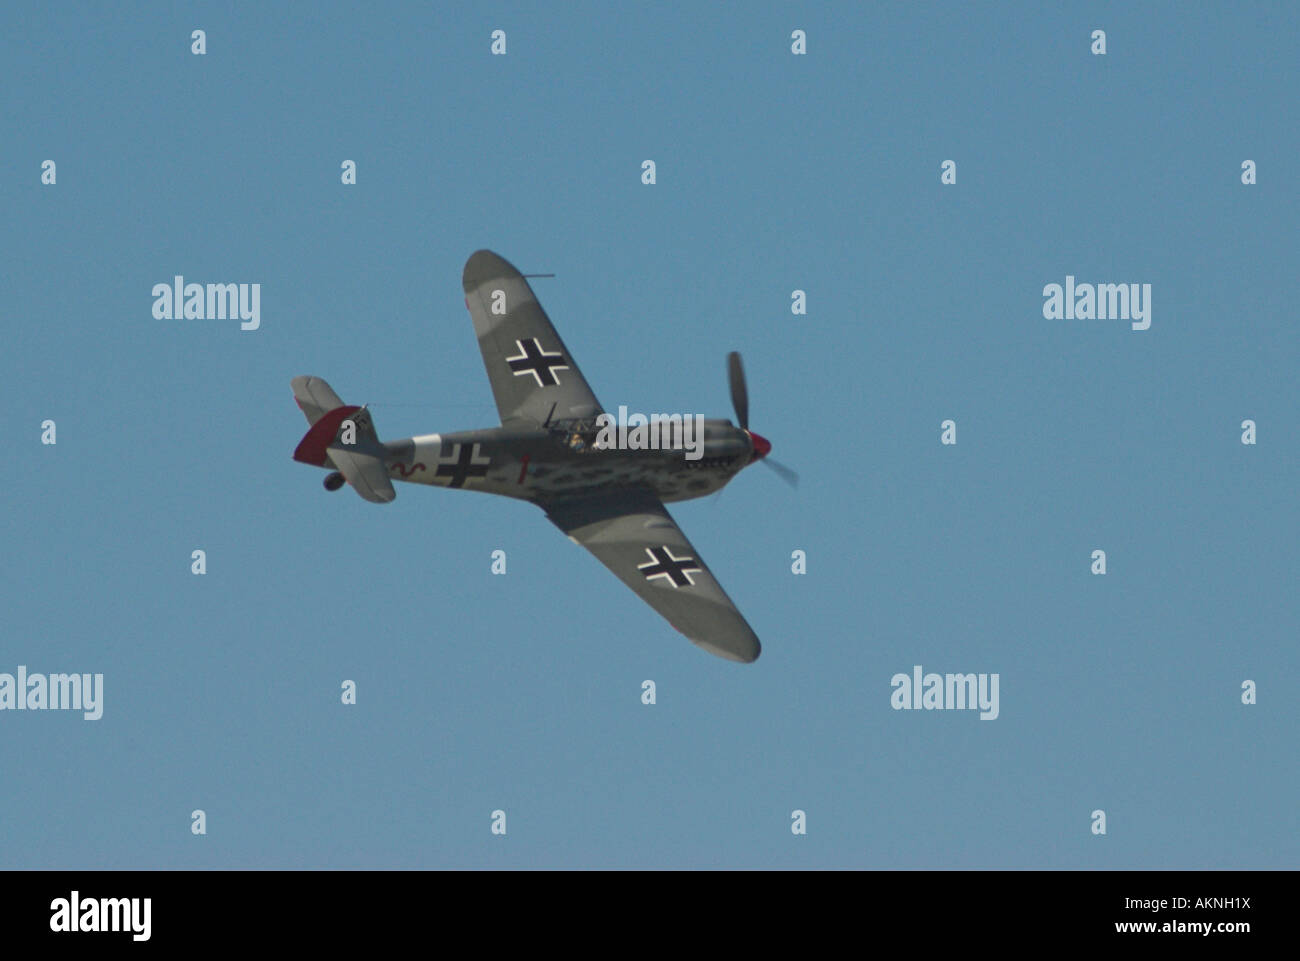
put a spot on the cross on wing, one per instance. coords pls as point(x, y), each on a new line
point(675, 570)
point(633, 535)
point(521, 349)
point(536, 360)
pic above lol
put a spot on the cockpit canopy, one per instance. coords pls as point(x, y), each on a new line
point(708, 437)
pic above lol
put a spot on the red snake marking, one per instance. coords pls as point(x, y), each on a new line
point(404, 470)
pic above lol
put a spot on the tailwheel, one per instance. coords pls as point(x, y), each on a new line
point(334, 481)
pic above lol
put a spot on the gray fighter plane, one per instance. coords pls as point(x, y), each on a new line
point(548, 451)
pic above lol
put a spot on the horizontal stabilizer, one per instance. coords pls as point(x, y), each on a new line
point(365, 472)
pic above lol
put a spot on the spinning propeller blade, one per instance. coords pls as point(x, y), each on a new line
point(791, 477)
point(739, 395)
point(740, 401)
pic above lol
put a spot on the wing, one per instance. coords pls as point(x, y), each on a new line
point(530, 369)
point(634, 536)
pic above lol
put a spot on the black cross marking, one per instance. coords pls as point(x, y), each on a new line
point(663, 564)
point(463, 466)
point(533, 359)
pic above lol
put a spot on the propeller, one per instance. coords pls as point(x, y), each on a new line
point(786, 474)
point(740, 401)
point(739, 395)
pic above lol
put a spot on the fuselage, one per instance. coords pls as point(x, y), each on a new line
point(540, 464)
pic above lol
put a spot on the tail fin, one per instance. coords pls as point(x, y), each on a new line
point(342, 437)
point(315, 397)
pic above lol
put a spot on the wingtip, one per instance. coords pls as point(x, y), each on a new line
point(483, 266)
point(747, 655)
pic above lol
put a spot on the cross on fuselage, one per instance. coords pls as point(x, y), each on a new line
point(532, 359)
point(463, 466)
point(663, 564)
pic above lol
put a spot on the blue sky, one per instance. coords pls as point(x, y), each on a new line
point(774, 173)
